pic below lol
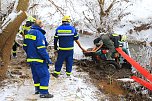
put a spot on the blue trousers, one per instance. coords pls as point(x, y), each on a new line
point(41, 77)
point(66, 56)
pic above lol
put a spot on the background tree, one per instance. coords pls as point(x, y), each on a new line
point(104, 15)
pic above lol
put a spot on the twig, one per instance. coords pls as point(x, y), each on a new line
point(57, 7)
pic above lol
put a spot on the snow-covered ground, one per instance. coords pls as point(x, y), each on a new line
point(78, 87)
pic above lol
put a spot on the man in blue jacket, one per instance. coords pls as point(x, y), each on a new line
point(38, 58)
point(66, 35)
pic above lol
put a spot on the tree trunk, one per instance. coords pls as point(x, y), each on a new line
point(0, 5)
point(0, 15)
point(22, 5)
point(8, 35)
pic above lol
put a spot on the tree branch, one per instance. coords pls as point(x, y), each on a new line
point(57, 7)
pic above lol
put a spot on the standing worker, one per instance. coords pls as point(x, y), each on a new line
point(14, 49)
point(38, 58)
point(66, 35)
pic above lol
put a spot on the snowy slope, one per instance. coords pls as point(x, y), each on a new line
point(141, 12)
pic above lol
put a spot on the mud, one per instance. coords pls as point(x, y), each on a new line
point(107, 83)
point(19, 84)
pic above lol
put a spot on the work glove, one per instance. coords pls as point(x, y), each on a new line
point(49, 61)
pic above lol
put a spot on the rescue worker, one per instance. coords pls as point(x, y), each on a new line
point(38, 58)
point(14, 49)
point(26, 27)
point(110, 41)
point(66, 35)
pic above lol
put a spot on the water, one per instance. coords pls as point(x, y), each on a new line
point(86, 42)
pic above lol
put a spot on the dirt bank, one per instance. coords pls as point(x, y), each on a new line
point(108, 83)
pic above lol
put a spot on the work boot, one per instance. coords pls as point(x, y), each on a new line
point(68, 74)
point(55, 75)
point(46, 96)
point(37, 92)
point(14, 56)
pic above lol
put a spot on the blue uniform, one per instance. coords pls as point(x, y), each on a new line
point(66, 35)
point(38, 58)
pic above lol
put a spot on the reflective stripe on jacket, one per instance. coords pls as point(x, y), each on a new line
point(65, 34)
point(35, 45)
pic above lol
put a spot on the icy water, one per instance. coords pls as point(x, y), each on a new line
point(86, 42)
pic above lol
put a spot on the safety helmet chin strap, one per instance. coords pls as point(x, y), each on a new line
point(120, 37)
point(65, 22)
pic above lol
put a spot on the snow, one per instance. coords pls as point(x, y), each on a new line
point(141, 9)
point(126, 80)
point(0, 31)
point(5, 4)
point(15, 5)
point(144, 35)
point(78, 87)
point(10, 18)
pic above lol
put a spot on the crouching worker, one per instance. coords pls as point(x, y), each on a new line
point(38, 58)
point(109, 41)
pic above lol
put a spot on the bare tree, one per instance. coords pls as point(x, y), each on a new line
point(101, 15)
point(106, 14)
point(36, 5)
point(57, 7)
